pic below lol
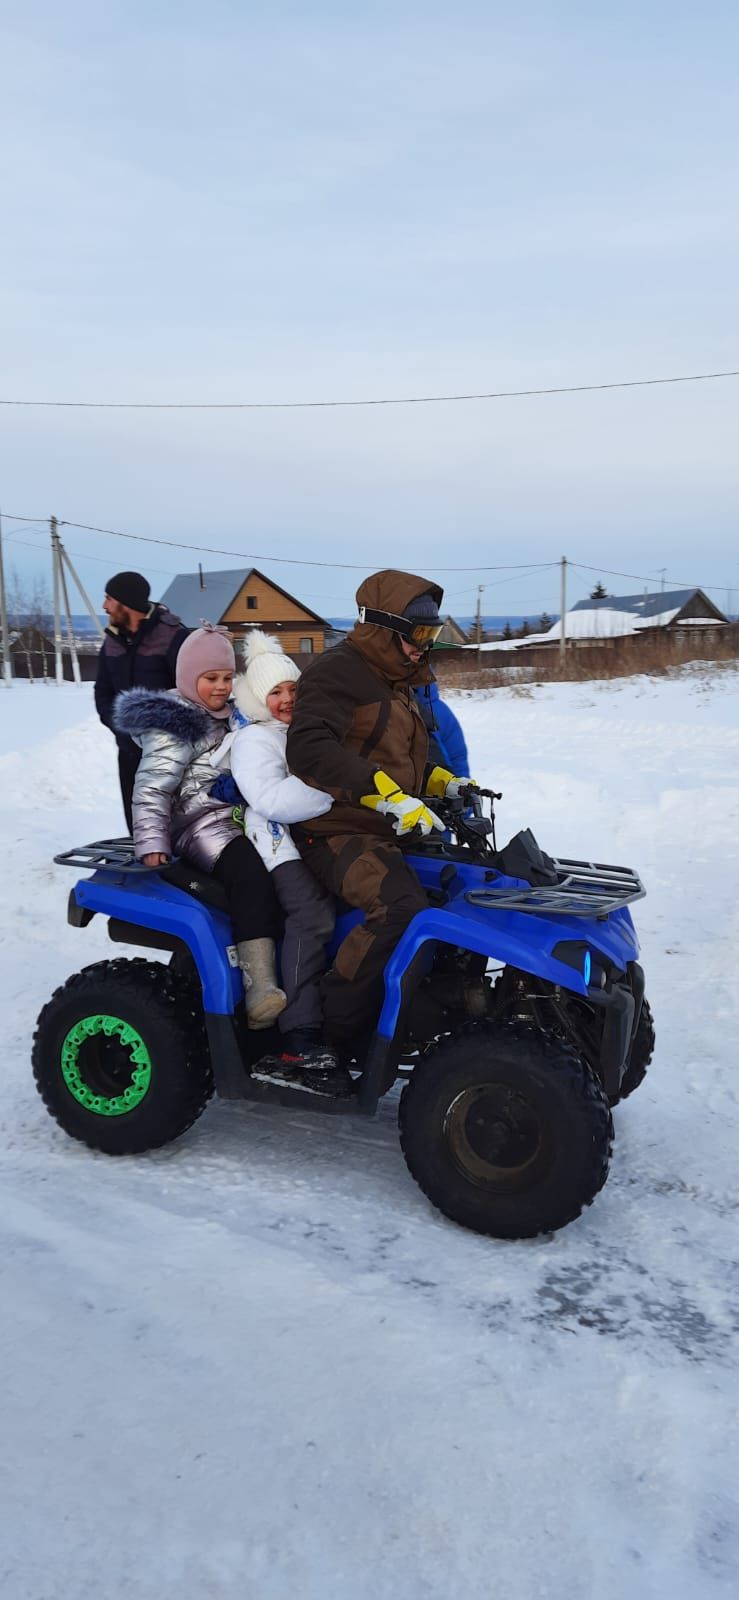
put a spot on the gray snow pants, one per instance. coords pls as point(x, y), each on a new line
point(309, 923)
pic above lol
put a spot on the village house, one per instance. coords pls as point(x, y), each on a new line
point(675, 611)
point(452, 634)
point(243, 598)
point(678, 613)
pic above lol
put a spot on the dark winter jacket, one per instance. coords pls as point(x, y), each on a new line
point(142, 660)
point(173, 807)
point(356, 714)
point(446, 739)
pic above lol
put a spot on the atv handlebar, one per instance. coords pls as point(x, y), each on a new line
point(471, 830)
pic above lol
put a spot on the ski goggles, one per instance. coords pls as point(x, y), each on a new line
point(421, 634)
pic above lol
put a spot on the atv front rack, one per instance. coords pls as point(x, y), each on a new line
point(583, 889)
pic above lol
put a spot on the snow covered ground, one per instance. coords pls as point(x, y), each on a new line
point(258, 1364)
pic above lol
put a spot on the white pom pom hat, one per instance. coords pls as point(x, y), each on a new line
point(266, 666)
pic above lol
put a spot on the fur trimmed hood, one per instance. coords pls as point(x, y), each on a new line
point(138, 711)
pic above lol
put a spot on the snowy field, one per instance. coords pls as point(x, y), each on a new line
point(257, 1364)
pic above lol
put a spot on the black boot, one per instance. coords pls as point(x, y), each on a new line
point(306, 1062)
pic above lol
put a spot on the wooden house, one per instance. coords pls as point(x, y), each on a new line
point(243, 598)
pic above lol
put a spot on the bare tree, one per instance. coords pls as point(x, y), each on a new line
point(29, 607)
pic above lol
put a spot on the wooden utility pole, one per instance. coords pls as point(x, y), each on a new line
point(562, 611)
point(56, 570)
point(478, 621)
point(4, 630)
point(76, 674)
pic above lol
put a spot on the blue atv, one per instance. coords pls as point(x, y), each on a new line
point(514, 1010)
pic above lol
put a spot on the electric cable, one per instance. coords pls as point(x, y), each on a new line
point(395, 400)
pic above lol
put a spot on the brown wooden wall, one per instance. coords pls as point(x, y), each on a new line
point(274, 612)
point(289, 635)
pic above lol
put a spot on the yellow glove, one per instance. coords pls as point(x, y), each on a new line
point(441, 784)
point(405, 812)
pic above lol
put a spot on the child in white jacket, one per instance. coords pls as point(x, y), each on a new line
point(265, 693)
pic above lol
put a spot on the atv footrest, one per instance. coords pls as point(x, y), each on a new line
point(270, 1091)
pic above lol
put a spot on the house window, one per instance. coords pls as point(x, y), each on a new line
point(306, 647)
point(251, 602)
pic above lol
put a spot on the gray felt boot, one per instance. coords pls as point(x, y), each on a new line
point(264, 1001)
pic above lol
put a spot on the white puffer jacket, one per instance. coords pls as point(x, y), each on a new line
point(274, 798)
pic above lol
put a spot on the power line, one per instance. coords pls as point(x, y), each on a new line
point(240, 555)
point(10, 518)
point(642, 577)
point(516, 569)
point(81, 555)
point(165, 572)
point(395, 400)
point(290, 561)
point(496, 583)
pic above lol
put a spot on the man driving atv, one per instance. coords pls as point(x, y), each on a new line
point(357, 733)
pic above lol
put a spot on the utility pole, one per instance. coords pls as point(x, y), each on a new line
point(83, 592)
point(4, 631)
point(76, 674)
point(56, 569)
point(478, 620)
point(562, 610)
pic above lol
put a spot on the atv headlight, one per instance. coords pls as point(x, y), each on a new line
point(577, 954)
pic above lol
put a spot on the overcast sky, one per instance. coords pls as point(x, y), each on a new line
point(290, 202)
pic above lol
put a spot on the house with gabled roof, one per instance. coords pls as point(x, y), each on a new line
point(242, 598)
point(451, 633)
point(678, 612)
point(672, 608)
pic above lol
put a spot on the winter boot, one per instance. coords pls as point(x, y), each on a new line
point(306, 1062)
point(264, 1000)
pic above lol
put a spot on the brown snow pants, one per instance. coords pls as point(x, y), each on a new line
point(368, 873)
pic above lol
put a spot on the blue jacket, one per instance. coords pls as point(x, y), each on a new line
point(446, 739)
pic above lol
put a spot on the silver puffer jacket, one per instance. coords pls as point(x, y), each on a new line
point(173, 810)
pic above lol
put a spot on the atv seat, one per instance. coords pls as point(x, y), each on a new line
point(201, 885)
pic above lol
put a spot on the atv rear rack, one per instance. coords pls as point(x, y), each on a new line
point(583, 889)
point(114, 854)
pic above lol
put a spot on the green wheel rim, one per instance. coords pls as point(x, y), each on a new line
point(125, 1057)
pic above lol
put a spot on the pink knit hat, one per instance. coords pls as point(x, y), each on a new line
point(208, 649)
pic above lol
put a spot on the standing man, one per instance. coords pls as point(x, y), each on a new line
point(139, 651)
point(358, 734)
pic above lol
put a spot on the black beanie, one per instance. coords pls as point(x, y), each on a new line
point(422, 609)
point(129, 589)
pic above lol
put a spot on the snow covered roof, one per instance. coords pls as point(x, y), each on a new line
point(652, 606)
point(616, 618)
point(606, 622)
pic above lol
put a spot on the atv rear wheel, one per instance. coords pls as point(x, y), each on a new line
point(120, 1056)
point(506, 1130)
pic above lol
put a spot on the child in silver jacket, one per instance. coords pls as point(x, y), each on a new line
point(179, 731)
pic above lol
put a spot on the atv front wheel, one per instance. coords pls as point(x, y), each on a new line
point(642, 1051)
point(120, 1056)
point(506, 1130)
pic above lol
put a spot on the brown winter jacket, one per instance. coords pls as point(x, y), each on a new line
point(356, 714)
